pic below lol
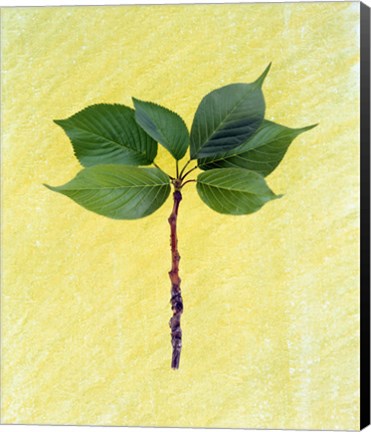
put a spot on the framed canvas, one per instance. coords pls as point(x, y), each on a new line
point(242, 131)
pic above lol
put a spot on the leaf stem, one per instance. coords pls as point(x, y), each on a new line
point(177, 168)
point(188, 172)
point(188, 181)
point(185, 166)
point(155, 164)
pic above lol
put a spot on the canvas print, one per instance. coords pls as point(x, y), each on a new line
point(232, 129)
point(229, 137)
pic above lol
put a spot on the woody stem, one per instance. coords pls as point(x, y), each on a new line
point(176, 297)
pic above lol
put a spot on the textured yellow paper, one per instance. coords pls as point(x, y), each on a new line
point(271, 319)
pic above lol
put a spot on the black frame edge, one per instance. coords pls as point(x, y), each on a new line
point(365, 217)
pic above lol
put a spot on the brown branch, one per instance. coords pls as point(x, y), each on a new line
point(176, 296)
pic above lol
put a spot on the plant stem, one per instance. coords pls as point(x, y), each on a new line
point(188, 181)
point(176, 296)
point(188, 172)
point(185, 166)
point(155, 165)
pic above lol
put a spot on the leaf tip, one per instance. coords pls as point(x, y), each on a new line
point(306, 128)
point(49, 187)
point(58, 122)
point(273, 196)
point(262, 77)
point(136, 103)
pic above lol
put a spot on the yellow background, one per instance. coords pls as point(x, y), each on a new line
point(271, 319)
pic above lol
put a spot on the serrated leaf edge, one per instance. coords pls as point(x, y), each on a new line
point(237, 152)
point(60, 122)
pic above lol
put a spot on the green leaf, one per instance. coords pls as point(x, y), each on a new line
point(118, 191)
point(108, 133)
point(164, 126)
point(261, 153)
point(227, 117)
point(234, 190)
